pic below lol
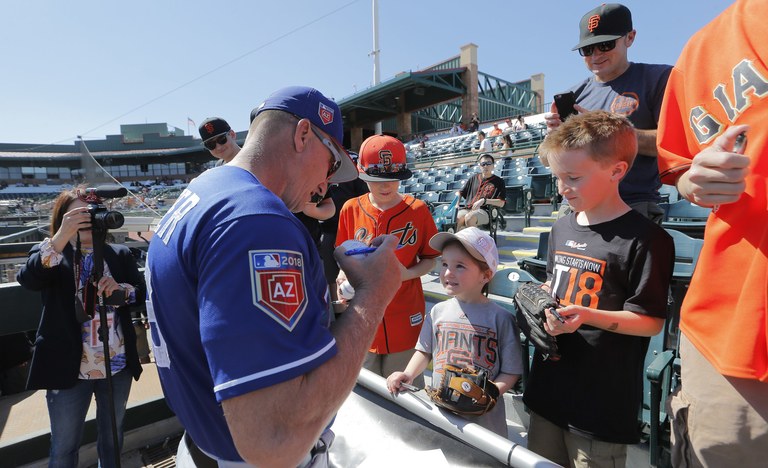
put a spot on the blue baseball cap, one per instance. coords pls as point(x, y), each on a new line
point(308, 103)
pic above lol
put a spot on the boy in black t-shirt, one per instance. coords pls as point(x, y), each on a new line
point(610, 268)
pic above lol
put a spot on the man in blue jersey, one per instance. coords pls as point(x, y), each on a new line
point(617, 85)
point(239, 305)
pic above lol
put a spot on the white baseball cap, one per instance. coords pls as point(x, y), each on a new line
point(478, 243)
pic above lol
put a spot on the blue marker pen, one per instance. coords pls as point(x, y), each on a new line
point(365, 250)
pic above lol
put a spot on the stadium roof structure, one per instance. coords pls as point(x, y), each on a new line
point(406, 92)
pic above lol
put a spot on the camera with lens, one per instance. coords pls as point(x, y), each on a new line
point(101, 217)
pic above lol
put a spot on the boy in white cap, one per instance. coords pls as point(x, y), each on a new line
point(468, 330)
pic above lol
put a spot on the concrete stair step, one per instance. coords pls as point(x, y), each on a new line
point(536, 230)
point(517, 222)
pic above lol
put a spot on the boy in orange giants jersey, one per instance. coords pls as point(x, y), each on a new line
point(384, 210)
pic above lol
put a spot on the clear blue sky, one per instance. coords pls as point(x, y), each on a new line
point(84, 67)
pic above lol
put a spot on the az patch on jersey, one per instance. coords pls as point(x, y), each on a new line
point(277, 285)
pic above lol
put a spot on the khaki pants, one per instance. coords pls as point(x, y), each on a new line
point(386, 364)
point(568, 449)
point(717, 420)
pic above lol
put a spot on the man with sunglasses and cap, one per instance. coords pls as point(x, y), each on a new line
point(634, 90)
point(219, 138)
point(482, 189)
point(238, 304)
point(384, 210)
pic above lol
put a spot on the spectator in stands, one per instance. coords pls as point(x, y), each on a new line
point(485, 144)
point(463, 127)
point(610, 268)
point(506, 147)
point(495, 131)
point(634, 90)
point(519, 124)
point(455, 130)
point(720, 413)
point(480, 190)
point(384, 210)
point(509, 125)
point(474, 122)
point(219, 138)
point(68, 359)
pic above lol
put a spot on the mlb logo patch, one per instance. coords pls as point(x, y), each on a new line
point(277, 285)
point(325, 113)
point(416, 320)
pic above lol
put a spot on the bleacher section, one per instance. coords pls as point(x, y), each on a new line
point(442, 147)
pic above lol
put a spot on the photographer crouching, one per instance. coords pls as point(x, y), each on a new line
point(69, 358)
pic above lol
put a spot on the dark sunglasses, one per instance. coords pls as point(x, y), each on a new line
point(486, 163)
point(606, 46)
point(211, 143)
point(335, 163)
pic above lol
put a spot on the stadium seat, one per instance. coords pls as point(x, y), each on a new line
point(429, 198)
point(686, 217)
point(537, 265)
point(446, 196)
point(436, 187)
point(504, 284)
point(414, 188)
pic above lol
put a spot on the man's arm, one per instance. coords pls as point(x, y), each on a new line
point(646, 142)
point(617, 321)
point(278, 425)
point(322, 211)
point(421, 268)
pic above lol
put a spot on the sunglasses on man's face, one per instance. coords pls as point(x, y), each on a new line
point(486, 163)
point(606, 46)
point(335, 162)
point(211, 143)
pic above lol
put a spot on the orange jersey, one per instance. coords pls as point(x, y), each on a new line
point(411, 222)
point(724, 312)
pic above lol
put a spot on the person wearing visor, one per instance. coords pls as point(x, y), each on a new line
point(483, 189)
point(238, 303)
point(384, 210)
point(617, 85)
point(219, 138)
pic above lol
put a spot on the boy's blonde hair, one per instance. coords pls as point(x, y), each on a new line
point(605, 136)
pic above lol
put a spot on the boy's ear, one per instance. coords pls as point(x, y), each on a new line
point(487, 276)
point(620, 169)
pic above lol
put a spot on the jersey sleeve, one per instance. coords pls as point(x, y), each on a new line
point(675, 149)
point(263, 304)
point(501, 189)
point(510, 349)
point(650, 275)
point(346, 222)
point(426, 335)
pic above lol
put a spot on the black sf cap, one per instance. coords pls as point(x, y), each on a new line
point(213, 126)
point(605, 23)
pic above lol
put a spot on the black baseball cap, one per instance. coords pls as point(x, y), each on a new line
point(605, 23)
point(213, 126)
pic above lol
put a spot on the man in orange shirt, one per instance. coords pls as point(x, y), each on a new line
point(718, 90)
point(383, 210)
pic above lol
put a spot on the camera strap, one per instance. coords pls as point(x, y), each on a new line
point(84, 303)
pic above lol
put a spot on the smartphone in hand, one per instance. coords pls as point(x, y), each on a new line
point(564, 103)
